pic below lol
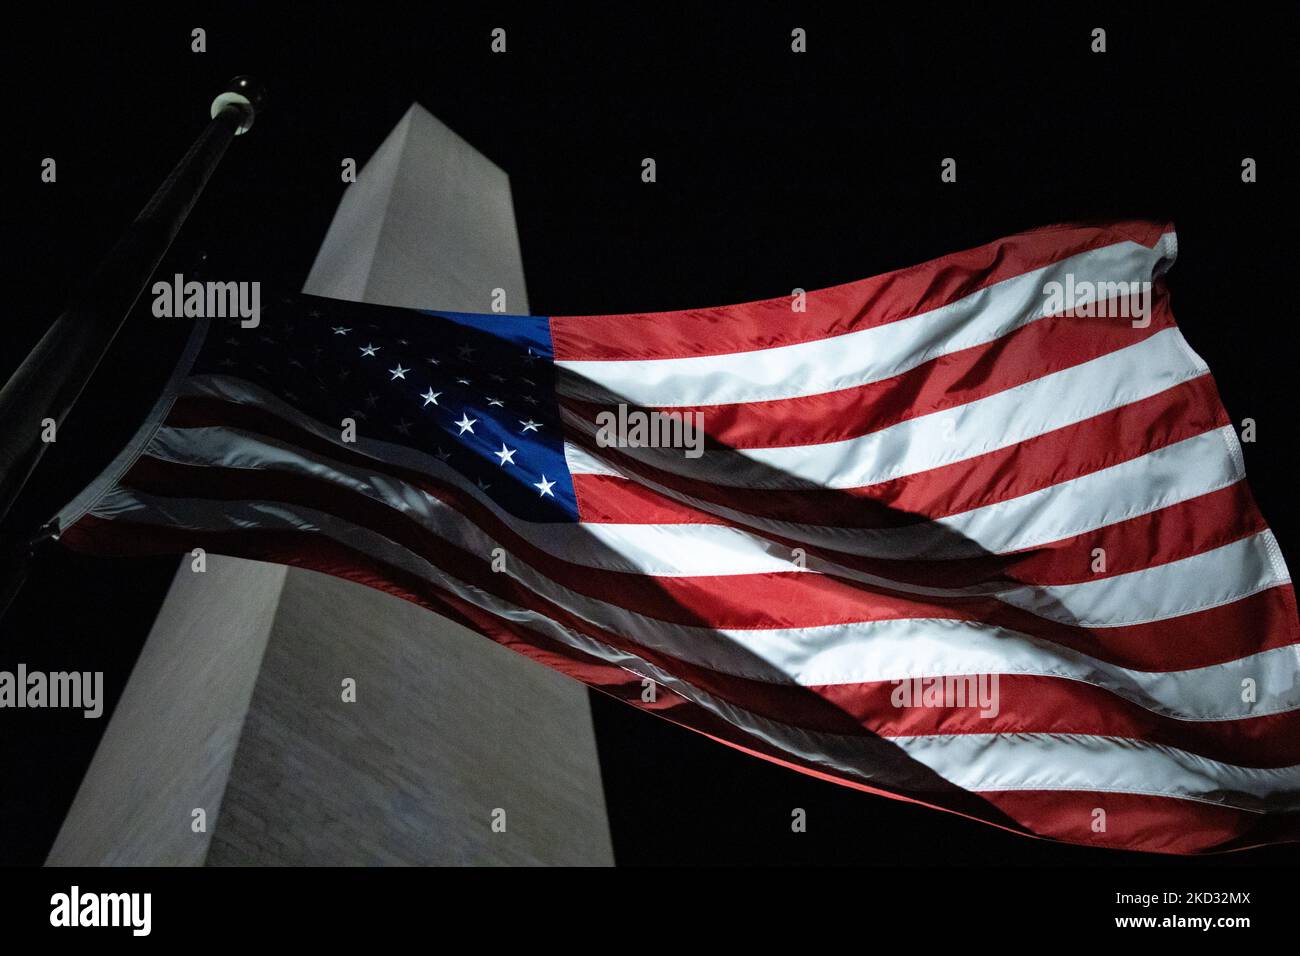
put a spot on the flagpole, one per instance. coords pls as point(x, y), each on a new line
point(52, 377)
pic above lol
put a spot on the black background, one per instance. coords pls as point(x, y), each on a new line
point(775, 170)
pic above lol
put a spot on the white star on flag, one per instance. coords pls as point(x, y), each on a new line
point(370, 349)
point(466, 423)
point(507, 455)
point(530, 425)
point(430, 397)
point(545, 487)
point(399, 372)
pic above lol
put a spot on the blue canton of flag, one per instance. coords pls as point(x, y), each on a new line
point(474, 392)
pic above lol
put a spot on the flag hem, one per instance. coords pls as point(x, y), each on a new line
point(106, 480)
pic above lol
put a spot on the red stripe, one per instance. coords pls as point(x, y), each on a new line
point(1035, 704)
point(1033, 351)
point(1136, 821)
point(844, 308)
point(612, 500)
point(609, 499)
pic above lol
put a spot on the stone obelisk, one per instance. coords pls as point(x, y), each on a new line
point(232, 743)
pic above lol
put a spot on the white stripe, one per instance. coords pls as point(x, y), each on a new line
point(849, 653)
point(954, 434)
point(1166, 476)
point(976, 762)
point(890, 650)
point(993, 762)
point(1202, 581)
point(582, 463)
point(855, 358)
point(682, 550)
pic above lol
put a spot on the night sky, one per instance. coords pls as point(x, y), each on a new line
point(774, 171)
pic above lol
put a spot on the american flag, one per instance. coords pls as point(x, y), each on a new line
point(946, 542)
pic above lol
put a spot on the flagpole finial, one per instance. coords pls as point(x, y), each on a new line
point(245, 94)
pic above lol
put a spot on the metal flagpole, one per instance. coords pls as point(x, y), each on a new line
point(53, 375)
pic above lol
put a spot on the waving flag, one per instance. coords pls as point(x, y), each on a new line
point(973, 534)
